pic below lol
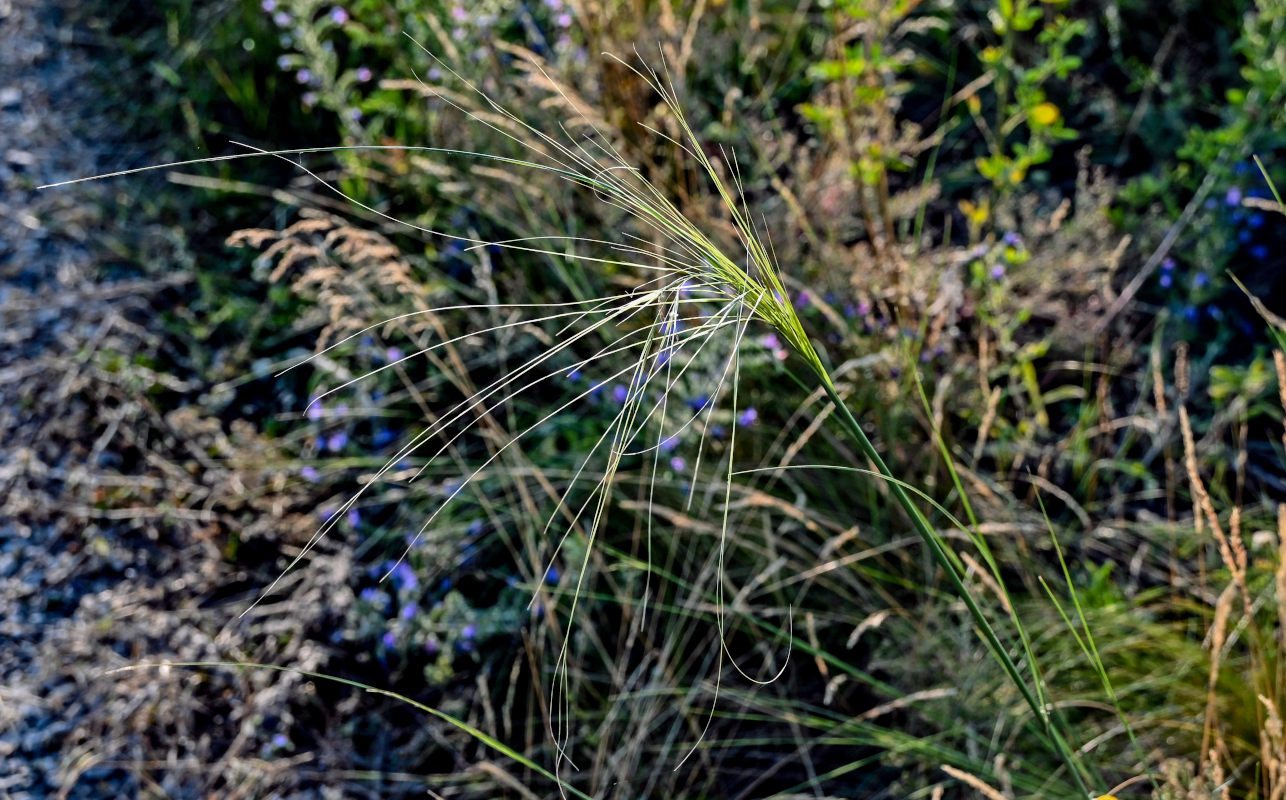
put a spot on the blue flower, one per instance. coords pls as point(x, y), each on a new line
point(699, 402)
point(574, 375)
point(364, 74)
point(309, 473)
point(1200, 281)
point(748, 417)
point(282, 19)
point(269, 5)
point(1166, 280)
point(354, 518)
point(338, 15)
point(1259, 252)
point(678, 464)
point(336, 441)
point(1013, 239)
point(304, 75)
point(390, 641)
point(552, 575)
point(997, 272)
point(408, 611)
point(1233, 197)
point(669, 443)
point(474, 528)
point(404, 576)
point(1255, 220)
point(620, 394)
point(1167, 263)
point(280, 741)
point(469, 631)
point(315, 409)
point(373, 596)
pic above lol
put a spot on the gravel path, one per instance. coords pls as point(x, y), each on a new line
point(113, 513)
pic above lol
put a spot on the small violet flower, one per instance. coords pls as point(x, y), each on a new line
point(309, 473)
point(404, 576)
point(748, 417)
point(997, 272)
point(552, 575)
point(304, 76)
point(364, 74)
point(620, 394)
point(338, 15)
point(1166, 280)
point(1233, 198)
point(282, 19)
point(678, 464)
point(280, 741)
point(390, 641)
point(469, 631)
point(336, 441)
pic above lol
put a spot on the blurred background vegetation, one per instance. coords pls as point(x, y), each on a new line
point(1036, 208)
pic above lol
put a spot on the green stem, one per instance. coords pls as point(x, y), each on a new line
point(948, 563)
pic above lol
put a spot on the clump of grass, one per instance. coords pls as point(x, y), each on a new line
point(697, 292)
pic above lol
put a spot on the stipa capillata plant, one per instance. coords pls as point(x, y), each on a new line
point(697, 305)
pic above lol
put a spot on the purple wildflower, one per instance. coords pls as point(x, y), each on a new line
point(269, 6)
point(1233, 198)
point(408, 611)
point(304, 76)
point(620, 394)
point(552, 575)
point(699, 402)
point(1200, 281)
point(458, 13)
point(338, 15)
point(469, 631)
point(564, 20)
point(574, 375)
point(997, 272)
point(309, 473)
point(474, 528)
point(354, 518)
point(1167, 263)
point(336, 441)
point(373, 596)
point(678, 464)
point(748, 417)
point(309, 99)
point(364, 74)
point(355, 114)
point(431, 646)
point(283, 63)
point(280, 741)
point(404, 576)
point(1013, 240)
point(393, 354)
point(282, 19)
point(390, 641)
point(669, 443)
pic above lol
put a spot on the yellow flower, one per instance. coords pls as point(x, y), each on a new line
point(1045, 114)
point(974, 104)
